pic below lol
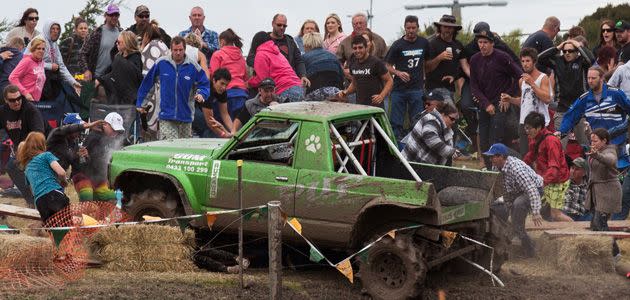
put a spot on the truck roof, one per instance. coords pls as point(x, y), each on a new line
point(318, 111)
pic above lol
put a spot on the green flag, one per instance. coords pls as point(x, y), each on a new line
point(363, 255)
point(183, 223)
point(315, 255)
point(58, 235)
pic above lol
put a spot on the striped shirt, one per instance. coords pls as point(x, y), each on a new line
point(430, 141)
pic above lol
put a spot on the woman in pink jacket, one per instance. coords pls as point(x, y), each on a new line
point(269, 62)
point(29, 74)
point(230, 57)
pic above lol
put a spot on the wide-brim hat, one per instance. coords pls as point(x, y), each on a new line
point(448, 20)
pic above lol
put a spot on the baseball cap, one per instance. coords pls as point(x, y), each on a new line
point(580, 163)
point(497, 149)
point(116, 121)
point(485, 34)
point(434, 96)
point(112, 9)
point(267, 82)
point(141, 9)
point(72, 118)
point(622, 25)
point(481, 26)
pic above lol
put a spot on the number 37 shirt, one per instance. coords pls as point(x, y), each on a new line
point(407, 56)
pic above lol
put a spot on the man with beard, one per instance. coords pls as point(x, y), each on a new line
point(622, 31)
point(95, 56)
point(142, 17)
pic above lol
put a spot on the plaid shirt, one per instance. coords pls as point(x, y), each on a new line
point(430, 141)
point(574, 199)
point(520, 178)
point(209, 37)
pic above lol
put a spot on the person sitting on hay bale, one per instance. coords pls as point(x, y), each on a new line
point(44, 173)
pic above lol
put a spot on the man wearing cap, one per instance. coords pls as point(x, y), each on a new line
point(622, 31)
point(492, 72)
point(104, 138)
point(446, 63)
point(19, 117)
point(179, 77)
point(542, 39)
point(523, 191)
point(266, 97)
point(472, 48)
point(95, 55)
point(143, 20)
point(210, 38)
point(405, 60)
point(575, 196)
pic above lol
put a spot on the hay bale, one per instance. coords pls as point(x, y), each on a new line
point(624, 247)
point(577, 255)
point(144, 248)
point(19, 250)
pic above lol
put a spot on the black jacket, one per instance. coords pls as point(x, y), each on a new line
point(19, 124)
point(163, 35)
point(294, 57)
point(63, 148)
point(122, 79)
point(570, 76)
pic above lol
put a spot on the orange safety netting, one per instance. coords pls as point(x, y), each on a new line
point(49, 265)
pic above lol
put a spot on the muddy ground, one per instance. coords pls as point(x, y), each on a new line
point(524, 279)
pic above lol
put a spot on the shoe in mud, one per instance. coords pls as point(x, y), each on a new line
point(233, 269)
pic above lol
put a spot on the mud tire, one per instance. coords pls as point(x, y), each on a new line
point(153, 202)
point(394, 269)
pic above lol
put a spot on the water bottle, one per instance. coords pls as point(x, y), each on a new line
point(119, 195)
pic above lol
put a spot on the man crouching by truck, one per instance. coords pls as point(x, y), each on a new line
point(523, 190)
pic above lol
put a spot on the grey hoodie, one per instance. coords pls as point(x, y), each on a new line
point(53, 47)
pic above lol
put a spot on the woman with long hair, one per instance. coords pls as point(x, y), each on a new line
point(122, 79)
point(230, 57)
point(307, 27)
point(26, 28)
point(333, 33)
point(71, 47)
point(606, 36)
point(29, 75)
point(44, 173)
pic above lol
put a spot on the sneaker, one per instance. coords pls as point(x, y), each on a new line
point(233, 269)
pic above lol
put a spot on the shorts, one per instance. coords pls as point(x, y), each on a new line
point(554, 194)
point(50, 203)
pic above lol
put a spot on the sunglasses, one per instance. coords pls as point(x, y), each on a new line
point(33, 18)
point(13, 100)
point(282, 25)
point(144, 16)
point(115, 15)
point(569, 51)
point(608, 30)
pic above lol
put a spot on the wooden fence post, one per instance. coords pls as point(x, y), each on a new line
point(275, 250)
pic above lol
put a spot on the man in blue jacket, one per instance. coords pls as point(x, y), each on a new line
point(179, 78)
point(10, 56)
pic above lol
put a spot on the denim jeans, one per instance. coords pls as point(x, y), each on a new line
point(519, 211)
point(19, 179)
point(491, 130)
point(404, 102)
point(293, 94)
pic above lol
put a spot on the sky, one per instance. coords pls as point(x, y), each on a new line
point(247, 17)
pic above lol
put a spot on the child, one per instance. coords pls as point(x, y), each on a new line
point(44, 173)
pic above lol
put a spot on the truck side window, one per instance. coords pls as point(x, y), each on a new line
point(268, 141)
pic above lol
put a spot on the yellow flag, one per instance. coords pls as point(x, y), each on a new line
point(296, 225)
point(346, 269)
point(88, 221)
point(392, 233)
point(447, 238)
point(210, 218)
point(151, 218)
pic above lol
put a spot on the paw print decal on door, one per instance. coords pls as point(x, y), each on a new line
point(312, 143)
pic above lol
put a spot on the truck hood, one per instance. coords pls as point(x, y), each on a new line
point(187, 145)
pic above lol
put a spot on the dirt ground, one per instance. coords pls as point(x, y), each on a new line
point(523, 278)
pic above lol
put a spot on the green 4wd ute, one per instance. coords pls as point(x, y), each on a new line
point(332, 166)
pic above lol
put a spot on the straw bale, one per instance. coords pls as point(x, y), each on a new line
point(18, 250)
point(144, 248)
point(577, 255)
point(624, 246)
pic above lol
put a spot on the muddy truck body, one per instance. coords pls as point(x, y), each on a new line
point(332, 166)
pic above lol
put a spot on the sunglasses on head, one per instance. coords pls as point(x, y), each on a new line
point(608, 30)
point(143, 16)
point(13, 100)
point(33, 18)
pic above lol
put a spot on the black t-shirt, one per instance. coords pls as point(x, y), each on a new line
point(283, 45)
point(624, 53)
point(244, 116)
point(214, 97)
point(367, 77)
point(446, 67)
point(19, 124)
point(407, 56)
point(538, 40)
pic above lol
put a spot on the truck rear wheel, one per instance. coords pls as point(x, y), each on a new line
point(394, 269)
point(152, 202)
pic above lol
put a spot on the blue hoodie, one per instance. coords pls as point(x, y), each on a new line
point(7, 66)
point(178, 85)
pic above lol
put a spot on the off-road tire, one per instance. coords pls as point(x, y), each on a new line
point(394, 269)
point(153, 202)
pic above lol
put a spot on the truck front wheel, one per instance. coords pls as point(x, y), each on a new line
point(394, 269)
point(152, 202)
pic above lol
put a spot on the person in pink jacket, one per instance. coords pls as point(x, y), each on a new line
point(230, 57)
point(29, 74)
point(269, 62)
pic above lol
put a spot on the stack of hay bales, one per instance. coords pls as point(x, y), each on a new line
point(144, 248)
point(22, 251)
point(579, 254)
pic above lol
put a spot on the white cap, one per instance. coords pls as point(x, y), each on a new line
point(115, 120)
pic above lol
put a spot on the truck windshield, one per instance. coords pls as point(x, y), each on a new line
point(268, 141)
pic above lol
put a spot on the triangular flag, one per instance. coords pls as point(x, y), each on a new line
point(151, 218)
point(346, 269)
point(392, 233)
point(315, 255)
point(249, 214)
point(58, 235)
point(447, 238)
point(88, 221)
point(296, 225)
point(210, 219)
point(183, 223)
point(363, 255)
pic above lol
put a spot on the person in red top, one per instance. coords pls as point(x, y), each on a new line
point(546, 157)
